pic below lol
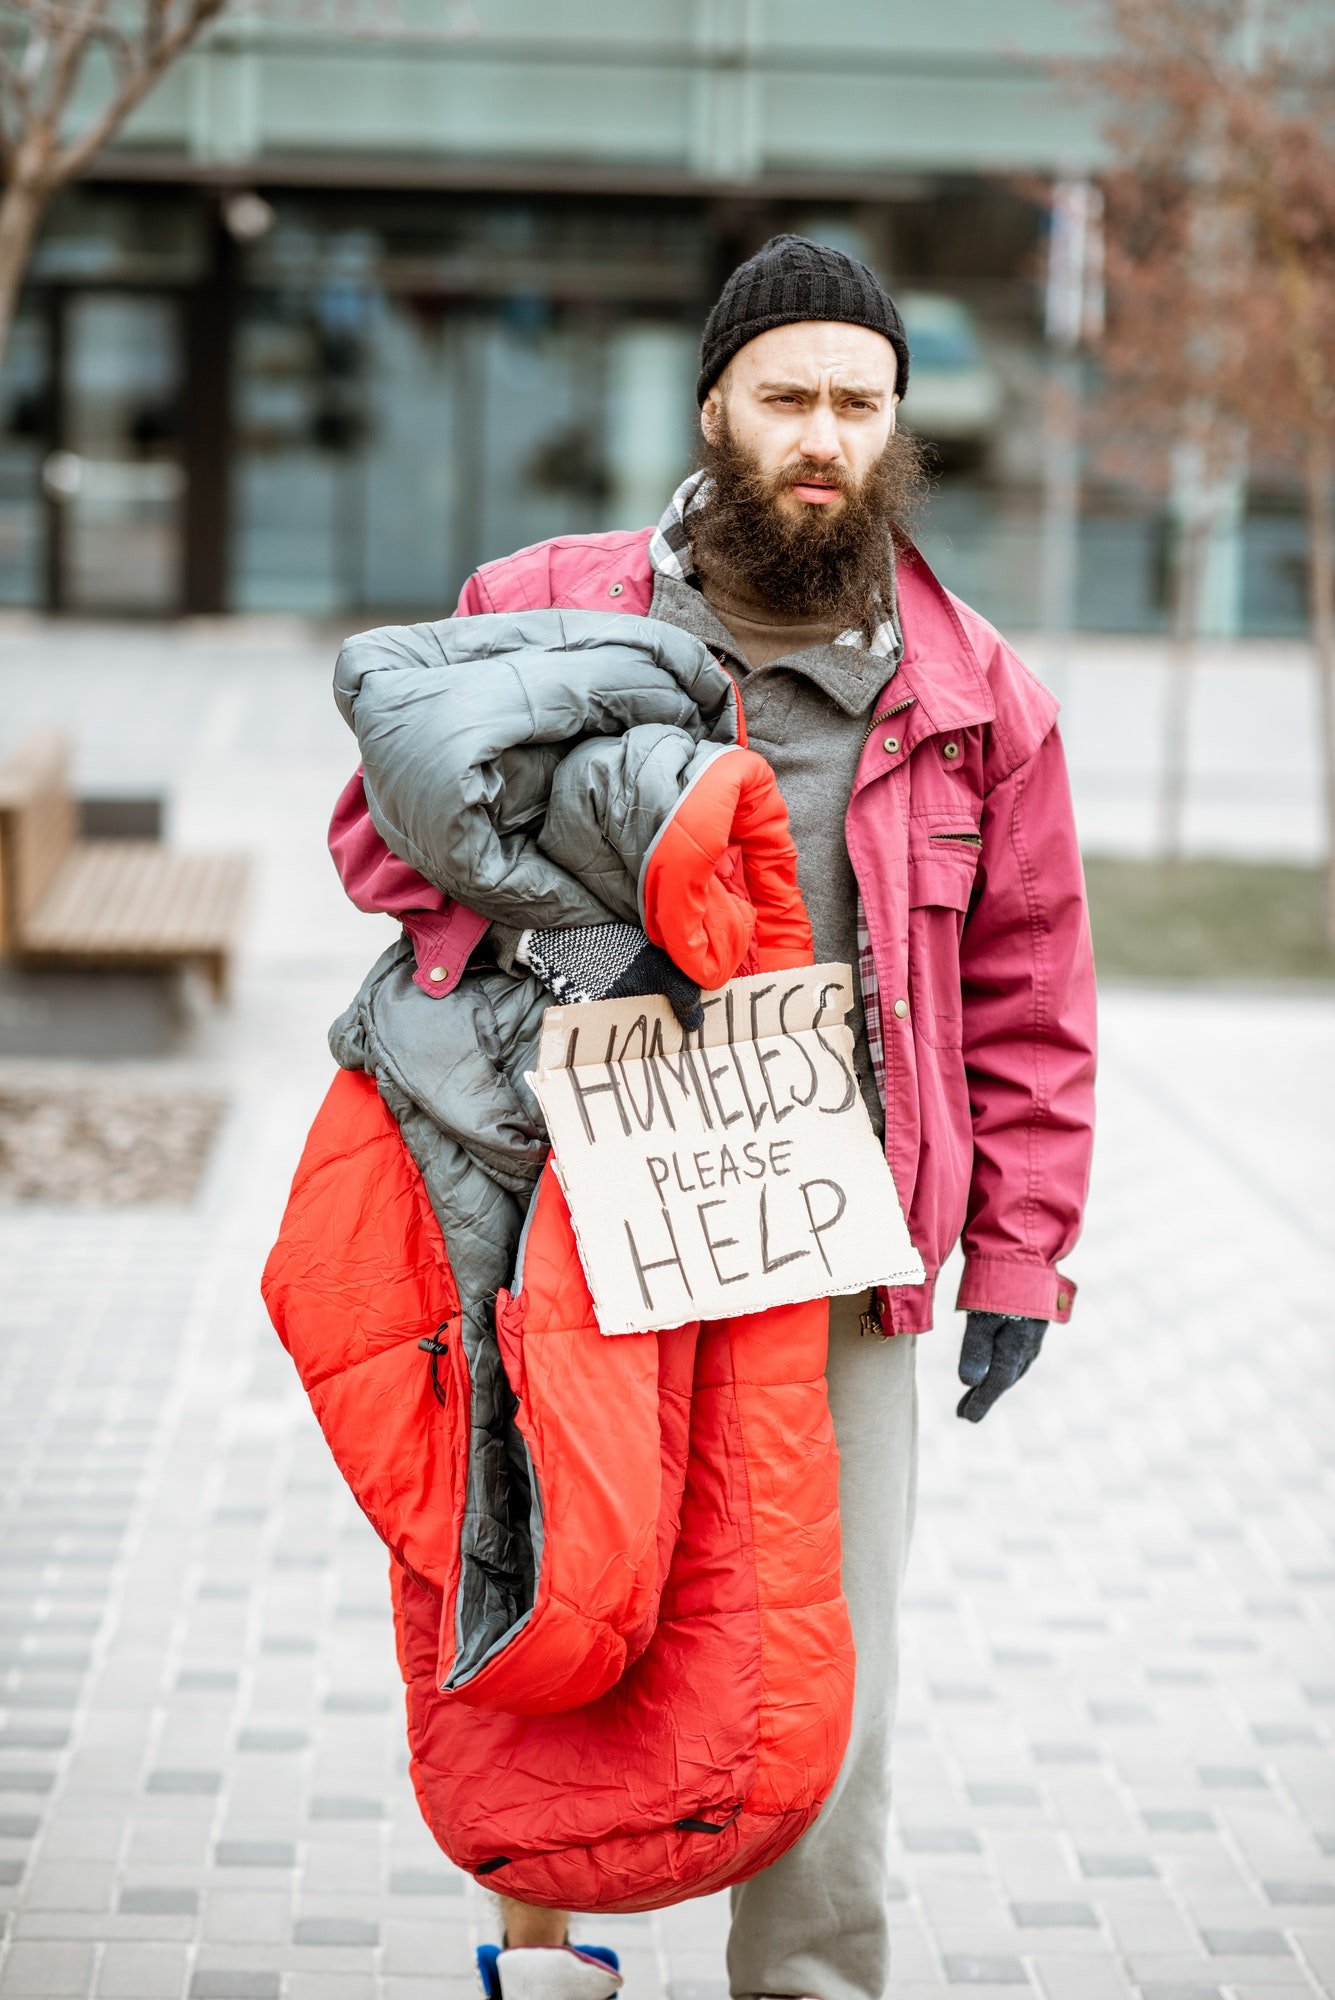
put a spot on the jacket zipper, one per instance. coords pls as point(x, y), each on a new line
point(961, 839)
point(886, 714)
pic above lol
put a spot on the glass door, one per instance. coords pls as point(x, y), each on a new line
point(116, 479)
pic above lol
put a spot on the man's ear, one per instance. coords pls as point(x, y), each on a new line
point(709, 415)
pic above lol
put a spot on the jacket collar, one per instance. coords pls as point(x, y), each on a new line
point(940, 667)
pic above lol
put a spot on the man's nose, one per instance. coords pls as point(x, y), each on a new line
point(820, 437)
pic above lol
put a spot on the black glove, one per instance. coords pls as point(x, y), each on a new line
point(608, 962)
point(997, 1351)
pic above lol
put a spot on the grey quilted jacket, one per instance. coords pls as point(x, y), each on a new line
point(524, 764)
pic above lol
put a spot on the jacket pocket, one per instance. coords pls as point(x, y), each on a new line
point(943, 866)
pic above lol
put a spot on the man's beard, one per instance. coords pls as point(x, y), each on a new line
point(828, 562)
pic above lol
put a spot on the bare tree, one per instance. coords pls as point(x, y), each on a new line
point(1221, 294)
point(71, 72)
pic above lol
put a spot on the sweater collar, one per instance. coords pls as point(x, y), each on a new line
point(850, 675)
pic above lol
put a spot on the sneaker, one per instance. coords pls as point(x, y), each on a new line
point(548, 1972)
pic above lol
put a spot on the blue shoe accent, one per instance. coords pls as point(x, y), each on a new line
point(489, 1977)
point(604, 1952)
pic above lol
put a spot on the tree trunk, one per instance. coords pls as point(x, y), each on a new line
point(1189, 577)
point(21, 208)
point(1321, 607)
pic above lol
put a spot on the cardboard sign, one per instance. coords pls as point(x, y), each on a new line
point(720, 1171)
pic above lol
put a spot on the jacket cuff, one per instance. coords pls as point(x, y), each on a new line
point(442, 945)
point(1008, 1285)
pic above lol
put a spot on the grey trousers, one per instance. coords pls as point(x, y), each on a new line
point(816, 1921)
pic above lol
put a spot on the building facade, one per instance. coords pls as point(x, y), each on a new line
point(353, 305)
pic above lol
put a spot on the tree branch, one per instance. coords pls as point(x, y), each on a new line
point(155, 56)
point(71, 44)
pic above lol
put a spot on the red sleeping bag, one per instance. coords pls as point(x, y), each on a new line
point(662, 1708)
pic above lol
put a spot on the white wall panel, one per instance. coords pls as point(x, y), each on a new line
point(477, 109)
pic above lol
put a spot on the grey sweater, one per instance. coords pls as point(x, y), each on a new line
point(807, 713)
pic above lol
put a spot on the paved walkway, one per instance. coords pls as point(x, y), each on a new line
point(1114, 1757)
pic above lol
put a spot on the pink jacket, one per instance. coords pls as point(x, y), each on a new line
point(962, 838)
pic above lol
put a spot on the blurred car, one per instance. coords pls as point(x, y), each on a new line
point(955, 394)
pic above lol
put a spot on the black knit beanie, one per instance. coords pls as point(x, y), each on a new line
point(792, 279)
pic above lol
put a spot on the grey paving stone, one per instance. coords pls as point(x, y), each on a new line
point(26, 1781)
point(1065, 1753)
point(273, 1739)
point(140, 1970)
point(1116, 1714)
point(1117, 1867)
point(1232, 1777)
point(10, 1873)
point(985, 1969)
point(940, 1840)
point(1285, 1735)
point(335, 1931)
point(1245, 1944)
point(236, 1986)
point(1054, 1916)
point(46, 1969)
point(1312, 1894)
point(1158, 1992)
point(1178, 1677)
point(424, 1882)
point(332, 1805)
point(207, 1680)
point(357, 1704)
point(1178, 1819)
point(18, 1826)
point(1002, 1795)
point(155, 1902)
point(697, 1989)
point(184, 1782)
point(33, 1736)
point(255, 1854)
point(324, 1985)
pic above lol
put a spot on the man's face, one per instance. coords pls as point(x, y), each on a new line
point(813, 406)
point(807, 475)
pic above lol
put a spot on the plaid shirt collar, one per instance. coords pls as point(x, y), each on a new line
point(670, 555)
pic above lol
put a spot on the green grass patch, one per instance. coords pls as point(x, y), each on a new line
point(1207, 920)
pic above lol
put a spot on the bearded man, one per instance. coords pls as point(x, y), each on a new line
point(928, 801)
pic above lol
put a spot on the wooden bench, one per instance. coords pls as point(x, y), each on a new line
point(127, 904)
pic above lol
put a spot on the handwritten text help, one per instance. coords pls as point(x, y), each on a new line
point(724, 1170)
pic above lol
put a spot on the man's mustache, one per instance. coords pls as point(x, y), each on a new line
point(807, 474)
